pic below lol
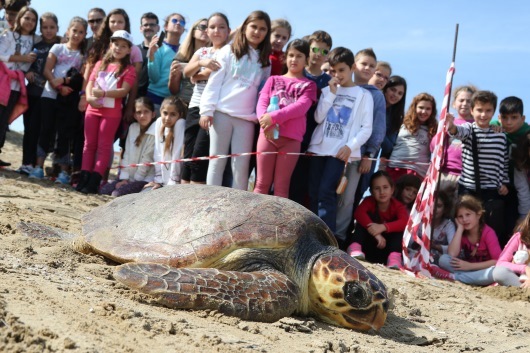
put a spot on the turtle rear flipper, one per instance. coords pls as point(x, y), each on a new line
point(258, 296)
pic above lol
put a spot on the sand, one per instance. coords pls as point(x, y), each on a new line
point(53, 299)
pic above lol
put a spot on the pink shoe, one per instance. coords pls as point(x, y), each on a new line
point(394, 261)
point(356, 251)
point(440, 273)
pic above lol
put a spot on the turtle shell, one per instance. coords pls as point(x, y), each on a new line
point(195, 225)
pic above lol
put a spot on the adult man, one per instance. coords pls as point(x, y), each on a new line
point(149, 27)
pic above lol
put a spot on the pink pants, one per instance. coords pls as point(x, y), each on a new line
point(275, 168)
point(99, 138)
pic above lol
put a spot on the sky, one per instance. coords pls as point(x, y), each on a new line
point(416, 37)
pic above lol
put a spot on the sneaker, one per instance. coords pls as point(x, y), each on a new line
point(4, 164)
point(440, 273)
point(355, 251)
point(394, 261)
point(37, 173)
point(63, 178)
point(25, 169)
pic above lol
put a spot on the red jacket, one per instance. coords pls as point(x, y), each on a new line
point(395, 218)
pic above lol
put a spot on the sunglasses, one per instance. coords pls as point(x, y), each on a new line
point(317, 50)
point(95, 20)
point(201, 28)
point(179, 22)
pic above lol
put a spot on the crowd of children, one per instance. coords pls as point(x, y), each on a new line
point(223, 92)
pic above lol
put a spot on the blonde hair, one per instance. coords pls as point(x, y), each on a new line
point(188, 48)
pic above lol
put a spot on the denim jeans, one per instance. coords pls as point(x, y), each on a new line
point(482, 277)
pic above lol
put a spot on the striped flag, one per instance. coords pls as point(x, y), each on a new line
point(419, 224)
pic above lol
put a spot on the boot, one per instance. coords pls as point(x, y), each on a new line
point(84, 176)
point(394, 260)
point(92, 187)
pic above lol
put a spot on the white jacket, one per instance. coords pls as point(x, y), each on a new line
point(233, 89)
point(139, 154)
point(339, 124)
point(168, 174)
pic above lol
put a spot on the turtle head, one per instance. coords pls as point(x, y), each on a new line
point(344, 293)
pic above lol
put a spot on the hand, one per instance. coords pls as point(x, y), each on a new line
point(365, 165)
point(496, 128)
point(153, 47)
point(269, 134)
point(175, 70)
point(459, 264)
point(121, 183)
point(210, 64)
point(503, 190)
point(29, 58)
point(128, 115)
point(344, 153)
point(98, 92)
point(65, 90)
point(459, 225)
point(383, 162)
point(94, 103)
point(30, 76)
point(333, 83)
point(205, 122)
point(376, 228)
point(265, 121)
point(526, 284)
point(381, 241)
point(82, 104)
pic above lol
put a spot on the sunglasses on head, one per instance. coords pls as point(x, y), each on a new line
point(95, 20)
point(201, 27)
point(317, 50)
point(176, 21)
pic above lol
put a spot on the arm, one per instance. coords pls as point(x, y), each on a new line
point(506, 256)
point(128, 114)
point(178, 143)
point(264, 97)
point(324, 104)
point(402, 217)
point(175, 76)
point(379, 125)
point(210, 95)
point(298, 108)
point(128, 82)
point(154, 64)
point(450, 232)
point(361, 213)
point(456, 244)
point(148, 150)
point(366, 110)
point(523, 191)
point(129, 147)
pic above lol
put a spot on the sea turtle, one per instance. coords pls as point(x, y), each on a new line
point(257, 257)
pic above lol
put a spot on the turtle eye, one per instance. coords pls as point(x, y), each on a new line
point(356, 295)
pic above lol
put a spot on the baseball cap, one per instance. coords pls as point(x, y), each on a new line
point(122, 34)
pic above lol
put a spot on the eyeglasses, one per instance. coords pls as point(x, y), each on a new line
point(149, 25)
point(175, 21)
point(317, 50)
point(201, 28)
point(381, 76)
point(95, 20)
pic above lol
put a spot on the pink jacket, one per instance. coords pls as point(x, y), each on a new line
point(6, 76)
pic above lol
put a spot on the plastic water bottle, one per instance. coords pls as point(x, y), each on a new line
point(273, 105)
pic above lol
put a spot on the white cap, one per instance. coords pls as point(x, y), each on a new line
point(122, 34)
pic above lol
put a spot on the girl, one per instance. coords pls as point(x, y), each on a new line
point(381, 220)
point(443, 227)
point(521, 157)
point(201, 65)
point(412, 143)
point(513, 266)
point(452, 161)
point(15, 55)
point(228, 103)
point(169, 138)
point(280, 33)
point(160, 58)
point(59, 100)
point(110, 81)
point(196, 39)
point(139, 148)
point(36, 81)
point(380, 78)
point(395, 92)
point(407, 187)
point(474, 250)
point(296, 94)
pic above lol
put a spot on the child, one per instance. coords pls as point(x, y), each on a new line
point(412, 144)
point(110, 81)
point(395, 93)
point(197, 38)
point(474, 250)
point(139, 148)
point(36, 81)
point(295, 94)
point(59, 100)
point(489, 179)
point(407, 187)
point(280, 33)
point(160, 58)
point(345, 115)
point(320, 44)
point(201, 65)
point(513, 266)
point(381, 220)
point(443, 227)
point(12, 9)
point(380, 78)
point(15, 55)
point(228, 102)
point(452, 161)
point(521, 158)
point(169, 139)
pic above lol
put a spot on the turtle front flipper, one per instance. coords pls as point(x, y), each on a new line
point(258, 296)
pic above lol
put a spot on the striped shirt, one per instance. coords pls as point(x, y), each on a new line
point(492, 155)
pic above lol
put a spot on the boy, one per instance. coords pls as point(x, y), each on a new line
point(512, 120)
point(363, 70)
point(320, 43)
point(492, 158)
point(345, 115)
